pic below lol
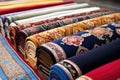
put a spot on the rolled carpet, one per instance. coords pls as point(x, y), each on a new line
point(56, 22)
point(10, 17)
point(110, 71)
point(74, 67)
point(28, 6)
point(46, 10)
point(49, 24)
point(39, 14)
point(42, 11)
point(48, 16)
point(75, 44)
point(35, 40)
point(6, 3)
point(44, 17)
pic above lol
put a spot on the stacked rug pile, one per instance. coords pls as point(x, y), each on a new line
point(58, 40)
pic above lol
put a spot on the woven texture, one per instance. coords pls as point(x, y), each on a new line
point(12, 67)
point(50, 24)
point(79, 43)
point(35, 40)
point(75, 66)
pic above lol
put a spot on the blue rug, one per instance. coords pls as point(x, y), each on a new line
point(11, 65)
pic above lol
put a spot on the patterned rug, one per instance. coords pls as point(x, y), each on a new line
point(11, 66)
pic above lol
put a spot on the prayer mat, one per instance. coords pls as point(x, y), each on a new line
point(75, 44)
point(37, 39)
point(28, 6)
point(19, 37)
point(110, 71)
point(74, 67)
point(12, 66)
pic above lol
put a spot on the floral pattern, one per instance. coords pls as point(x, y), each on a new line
point(76, 41)
point(118, 31)
point(117, 27)
point(58, 50)
point(57, 22)
point(73, 40)
point(100, 32)
point(100, 35)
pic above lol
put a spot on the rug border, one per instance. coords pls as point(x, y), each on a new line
point(9, 48)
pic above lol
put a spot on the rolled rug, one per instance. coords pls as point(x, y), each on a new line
point(69, 13)
point(28, 6)
point(110, 71)
point(44, 17)
point(13, 2)
point(42, 11)
point(20, 36)
point(75, 44)
point(46, 10)
point(10, 17)
point(52, 23)
point(40, 14)
point(52, 15)
point(35, 40)
point(74, 67)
